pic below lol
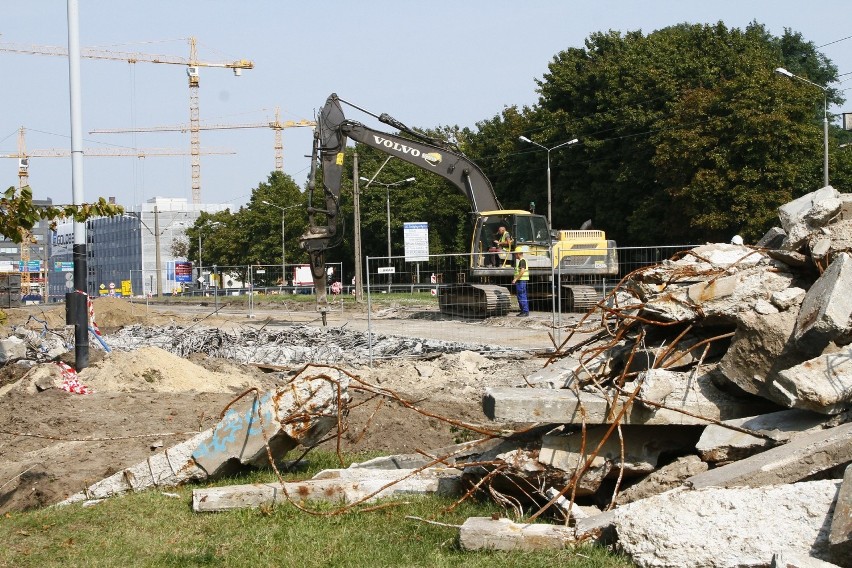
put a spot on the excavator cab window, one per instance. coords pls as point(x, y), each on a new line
point(531, 229)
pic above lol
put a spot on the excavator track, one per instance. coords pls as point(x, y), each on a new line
point(579, 298)
point(474, 300)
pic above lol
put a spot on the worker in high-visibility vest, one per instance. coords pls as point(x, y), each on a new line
point(522, 276)
point(501, 245)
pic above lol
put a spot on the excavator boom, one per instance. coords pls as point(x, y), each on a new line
point(330, 139)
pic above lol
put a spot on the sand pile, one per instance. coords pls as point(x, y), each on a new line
point(151, 369)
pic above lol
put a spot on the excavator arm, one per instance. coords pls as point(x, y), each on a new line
point(427, 153)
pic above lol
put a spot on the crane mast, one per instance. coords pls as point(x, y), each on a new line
point(192, 65)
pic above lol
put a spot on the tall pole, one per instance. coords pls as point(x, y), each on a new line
point(283, 249)
point(389, 241)
point(78, 305)
point(359, 269)
point(549, 207)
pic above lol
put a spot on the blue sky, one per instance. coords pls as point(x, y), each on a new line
point(441, 62)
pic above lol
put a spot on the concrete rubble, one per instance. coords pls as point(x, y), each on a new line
point(252, 431)
point(712, 422)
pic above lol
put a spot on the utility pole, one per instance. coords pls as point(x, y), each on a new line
point(359, 270)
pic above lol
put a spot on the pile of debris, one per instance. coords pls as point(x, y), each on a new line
point(710, 418)
point(299, 344)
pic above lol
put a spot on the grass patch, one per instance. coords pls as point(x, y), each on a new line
point(152, 529)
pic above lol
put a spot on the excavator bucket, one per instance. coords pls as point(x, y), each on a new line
point(474, 300)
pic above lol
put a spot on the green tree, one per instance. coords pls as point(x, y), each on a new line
point(18, 214)
point(686, 134)
point(252, 235)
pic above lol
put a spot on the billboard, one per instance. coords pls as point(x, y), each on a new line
point(183, 271)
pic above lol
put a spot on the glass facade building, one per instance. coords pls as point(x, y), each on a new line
point(139, 248)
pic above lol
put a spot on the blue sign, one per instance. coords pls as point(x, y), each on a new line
point(183, 272)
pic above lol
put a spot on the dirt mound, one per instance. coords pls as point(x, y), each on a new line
point(151, 369)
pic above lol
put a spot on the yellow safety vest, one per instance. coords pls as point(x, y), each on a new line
point(518, 266)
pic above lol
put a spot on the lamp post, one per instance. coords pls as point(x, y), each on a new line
point(782, 71)
point(387, 187)
point(283, 237)
point(548, 150)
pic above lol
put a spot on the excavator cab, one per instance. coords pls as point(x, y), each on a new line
point(525, 229)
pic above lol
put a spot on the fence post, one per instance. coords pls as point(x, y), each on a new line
point(369, 314)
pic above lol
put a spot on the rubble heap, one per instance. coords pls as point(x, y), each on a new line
point(728, 367)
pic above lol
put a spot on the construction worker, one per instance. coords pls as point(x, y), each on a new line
point(520, 280)
point(501, 245)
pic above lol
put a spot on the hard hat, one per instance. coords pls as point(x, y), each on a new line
point(523, 249)
point(736, 240)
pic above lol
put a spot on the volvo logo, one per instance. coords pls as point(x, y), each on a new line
point(432, 158)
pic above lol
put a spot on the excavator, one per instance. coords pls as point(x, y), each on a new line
point(576, 255)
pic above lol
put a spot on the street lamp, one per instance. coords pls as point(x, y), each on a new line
point(387, 187)
point(567, 143)
point(283, 238)
point(782, 71)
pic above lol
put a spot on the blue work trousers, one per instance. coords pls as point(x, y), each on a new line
point(521, 291)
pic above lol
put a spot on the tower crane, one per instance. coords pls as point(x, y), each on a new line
point(192, 65)
point(23, 156)
point(277, 125)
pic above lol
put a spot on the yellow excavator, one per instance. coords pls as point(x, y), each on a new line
point(576, 256)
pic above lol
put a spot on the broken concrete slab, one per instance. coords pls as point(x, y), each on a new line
point(558, 375)
point(12, 348)
point(739, 527)
point(169, 468)
point(822, 384)
point(791, 258)
point(761, 347)
point(789, 298)
point(718, 299)
point(485, 533)
point(846, 206)
point(335, 486)
point(826, 310)
point(839, 235)
point(773, 239)
point(800, 216)
point(642, 446)
point(719, 443)
point(698, 396)
point(840, 535)
point(665, 478)
point(804, 455)
point(299, 412)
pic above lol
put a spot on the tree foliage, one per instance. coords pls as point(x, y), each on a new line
point(686, 133)
point(252, 235)
point(18, 214)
